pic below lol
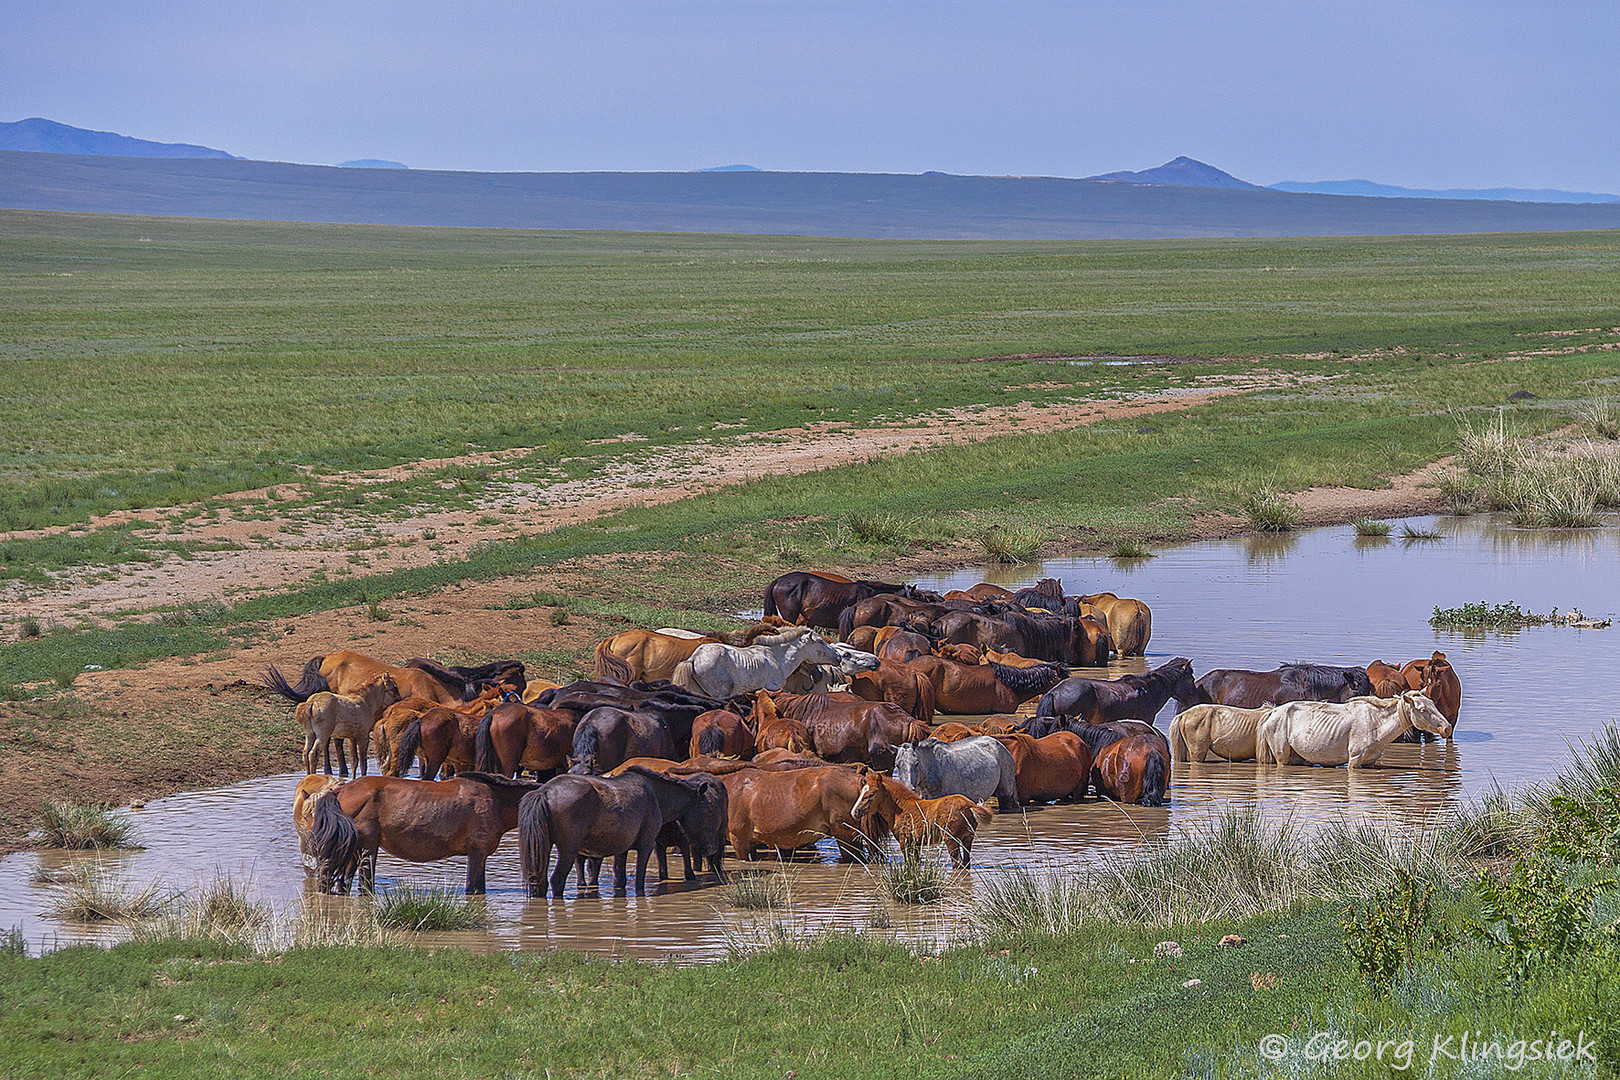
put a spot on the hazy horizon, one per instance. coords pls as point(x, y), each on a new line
point(1445, 94)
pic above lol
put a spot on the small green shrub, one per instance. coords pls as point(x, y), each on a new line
point(375, 612)
point(1535, 920)
point(882, 527)
point(13, 943)
point(758, 890)
point(1384, 934)
point(1012, 544)
point(559, 616)
point(29, 628)
point(64, 677)
point(1584, 832)
point(1411, 534)
point(1130, 549)
point(106, 897)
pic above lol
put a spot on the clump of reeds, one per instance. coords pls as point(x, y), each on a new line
point(1012, 544)
point(1129, 549)
point(221, 910)
point(1489, 449)
point(1536, 485)
point(12, 943)
point(757, 890)
point(911, 876)
point(1600, 418)
point(1461, 490)
point(410, 908)
point(1412, 534)
point(104, 896)
point(1269, 511)
point(83, 826)
point(1370, 527)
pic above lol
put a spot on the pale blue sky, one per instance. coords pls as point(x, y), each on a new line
point(1424, 93)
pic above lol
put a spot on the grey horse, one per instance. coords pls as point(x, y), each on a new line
point(977, 767)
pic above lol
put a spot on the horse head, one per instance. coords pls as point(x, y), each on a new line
point(905, 764)
point(1420, 712)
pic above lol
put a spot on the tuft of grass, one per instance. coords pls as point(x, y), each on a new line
point(64, 677)
point(1129, 549)
point(912, 876)
point(1600, 418)
point(1411, 534)
point(83, 826)
point(29, 628)
point(1269, 511)
point(881, 527)
point(1012, 544)
point(1371, 527)
point(1462, 491)
point(375, 612)
point(559, 616)
point(100, 896)
point(1490, 449)
point(12, 943)
point(758, 890)
point(409, 908)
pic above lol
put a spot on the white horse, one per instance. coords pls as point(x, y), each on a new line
point(327, 716)
point(724, 671)
point(1354, 733)
point(825, 678)
point(1225, 730)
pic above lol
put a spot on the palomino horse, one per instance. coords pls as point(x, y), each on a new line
point(1354, 733)
point(1436, 678)
point(952, 820)
point(413, 820)
point(982, 591)
point(1129, 622)
point(326, 716)
point(1130, 697)
point(344, 672)
point(1055, 768)
point(597, 817)
point(643, 654)
point(797, 807)
point(725, 671)
point(1224, 730)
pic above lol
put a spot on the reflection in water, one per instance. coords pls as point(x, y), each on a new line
point(1318, 595)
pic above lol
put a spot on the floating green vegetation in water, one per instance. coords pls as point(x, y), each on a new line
point(1483, 616)
point(81, 826)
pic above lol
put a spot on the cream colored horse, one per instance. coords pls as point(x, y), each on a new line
point(1354, 733)
point(1224, 730)
point(327, 716)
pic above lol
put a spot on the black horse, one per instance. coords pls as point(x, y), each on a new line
point(1130, 697)
point(814, 600)
point(1290, 682)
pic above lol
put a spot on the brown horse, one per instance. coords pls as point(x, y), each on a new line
point(982, 591)
point(1439, 683)
point(1055, 768)
point(415, 821)
point(901, 645)
point(952, 820)
point(1064, 639)
point(818, 598)
point(391, 725)
point(643, 654)
point(721, 733)
point(345, 672)
point(898, 684)
point(1387, 679)
point(976, 689)
point(1136, 697)
point(846, 728)
point(514, 737)
point(773, 731)
point(1131, 770)
point(445, 739)
point(798, 807)
point(1130, 622)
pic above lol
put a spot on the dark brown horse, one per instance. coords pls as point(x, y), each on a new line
point(515, 737)
point(445, 739)
point(415, 821)
point(813, 599)
point(1064, 639)
point(846, 728)
point(1290, 682)
point(1134, 697)
point(606, 737)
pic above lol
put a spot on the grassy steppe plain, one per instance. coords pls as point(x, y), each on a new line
point(157, 362)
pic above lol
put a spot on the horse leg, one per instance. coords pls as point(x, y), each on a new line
point(475, 873)
point(368, 872)
point(621, 868)
point(642, 855)
point(559, 876)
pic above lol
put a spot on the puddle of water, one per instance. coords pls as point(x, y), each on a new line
point(1318, 595)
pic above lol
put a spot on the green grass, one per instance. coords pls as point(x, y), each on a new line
point(80, 826)
point(408, 908)
point(1484, 616)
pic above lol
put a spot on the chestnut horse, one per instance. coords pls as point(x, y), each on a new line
point(413, 820)
point(721, 733)
point(772, 731)
point(1131, 770)
point(345, 672)
point(1055, 768)
point(898, 684)
point(952, 820)
point(1387, 680)
point(795, 808)
point(977, 689)
point(1436, 678)
point(391, 725)
point(845, 728)
point(513, 737)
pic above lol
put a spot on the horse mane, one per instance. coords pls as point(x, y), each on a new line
point(309, 683)
point(1160, 677)
point(491, 673)
point(805, 708)
point(1096, 736)
point(1026, 680)
point(1043, 632)
point(494, 781)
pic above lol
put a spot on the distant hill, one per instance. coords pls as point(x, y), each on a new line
point(371, 163)
point(729, 168)
point(1184, 171)
point(813, 204)
point(1389, 191)
point(48, 137)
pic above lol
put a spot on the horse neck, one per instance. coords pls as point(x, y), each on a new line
point(1393, 724)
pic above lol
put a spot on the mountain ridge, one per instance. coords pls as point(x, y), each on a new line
point(41, 136)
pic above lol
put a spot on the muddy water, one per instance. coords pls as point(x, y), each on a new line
point(1320, 595)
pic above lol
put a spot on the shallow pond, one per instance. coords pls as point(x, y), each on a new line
point(1320, 595)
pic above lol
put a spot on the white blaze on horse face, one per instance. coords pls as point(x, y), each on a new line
point(861, 800)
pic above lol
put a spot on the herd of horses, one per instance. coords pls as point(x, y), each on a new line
point(775, 737)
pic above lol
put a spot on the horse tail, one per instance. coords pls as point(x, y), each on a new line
point(310, 683)
point(927, 703)
point(487, 760)
point(770, 601)
point(1153, 779)
point(534, 841)
point(410, 741)
point(711, 741)
point(846, 623)
point(685, 677)
point(334, 842)
point(610, 665)
point(1178, 740)
point(981, 814)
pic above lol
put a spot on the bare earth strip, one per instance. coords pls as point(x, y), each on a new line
point(273, 557)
